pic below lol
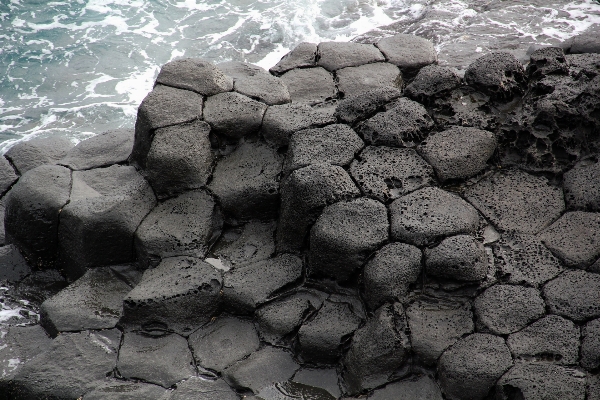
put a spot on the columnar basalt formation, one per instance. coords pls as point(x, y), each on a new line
point(359, 222)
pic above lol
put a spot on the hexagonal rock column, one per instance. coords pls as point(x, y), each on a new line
point(36, 152)
point(256, 83)
point(195, 74)
point(335, 55)
point(32, 212)
point(97, 226)
point(278, 319)
point(408, 52)
point(303, 55)
point(574, 294)
point(414, 388)
point(459, 257)
point(499, 75)
point(103, 150)
point(590, 345)
point(582, 186)
point(358, 108)
point(345, 235)
point(310, 85)
point(432, 81)
point(353, 81)
point(247, 244)
point(234, 115)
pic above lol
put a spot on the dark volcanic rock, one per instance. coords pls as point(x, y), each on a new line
point(256, 83)
point(40, 285)
point(122, 390)
point(13, 267)
point(304, 194)
point(180, 295)
point(186, 225)
point(429, 214)
point(386, 173)
point(280, 122)
point(163, 360)
point(353, 81)
point(203, 389)
point(97, 226)
point(246, 182)
point(28, 155)
point(19, 345)
point(345, 235)
point(224, 341)
point(326, 379)
point(499, 75)
point(233, 115)
point(458, 257)
point(593, 387)
point(403, 125)
point(247, 244)
point(432, 80)
point(505, 309)
point(421, 388)
point(335, 55)
point(585, 43)
point(303, 55)
point(195, 74)
point(546, 61)
point(408, 52)
point(458, 152)
point(517, 201)
point(280, 318)
point(582, 186)
point(8, 176)
point(464, 106)
point(470, 368)
point(32, 209)
point(574, 294)
point(364, 105)
point(108, 148)
point(309, 85)
point(590, 345)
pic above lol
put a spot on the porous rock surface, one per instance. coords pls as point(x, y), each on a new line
point(312, 233)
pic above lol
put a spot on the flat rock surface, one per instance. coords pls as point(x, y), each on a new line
point(310, 85)
point(365, 104)
point(195, 74)
point(421, 388)
point(38, 151)
point(108, 148)
point(233, 115)
point(303, 55)
point(353, 81)
point(582, 186)
point(408, 52)
point(20, 344)
point(252, 242)
point(574, 294)
point(335, 55)
point(431, 81)
point(282, 317)
point(280, 122)
point(256, 83)
point(203, 389)
point(459, 257)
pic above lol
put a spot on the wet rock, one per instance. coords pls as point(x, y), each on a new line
point(335, 55)
point(32, 209)
point(524, 259)
point(13, 267)
point(334, 144)
point(458, 152)
point(429, 214)
point(304, 194)
point(499, 75)
point(195, 74)
point(322, 337)
point(94, 301)
point(387, 173)
point(458, 257)
point(432, 80)
point(256, 83)
point(546, 61)
point(551, 338)
point(163, 106)
point(389, 273)
point(435, 325)
point(404, 125)
point(365, 104)
point(8, 176)
point(326, 379)
point(505, 309)
point(40, 285)
point(541, 381)
point(203, 389)
point(280, 122)
point(33, 153)
point(336, 248)
point(353, 81)
point(246, 182)
point(224, 341)
point(309, 85)
point(574, 294)
point(260, 369)
point(290, 391)
point(248, 244)
point(246, 287)
point(590, 345)
point(97, 226)
point(179, 295)
point(470, 368)
point(378, 349)
point(516, 201)
point(233, 115)
point(417, 388)
point(122, 390)
point(186, 225)
point(303, 55)
point(108, 148)
point(19, 345)
point(280, 318)
point(408, 52)
point(163, 360)
point(582, 186)
point(585, 43)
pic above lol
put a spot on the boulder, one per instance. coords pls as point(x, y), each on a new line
point(103, 150)
point(309, 85)
point(459, 257)
point(252, 242)
point(432, 81)
point(234, 115)
point(180, 158)
point(302, 56)
point(203, 389)
point(416, 388)
point(8, 176)
point(280, 122)
point(408, 52)
point(97, 226)
point(179, 295)
point(547, 61)
point(345, 235)
point(499, 75)
point(353, 81)
point(122, 390)
point(429, 214)
point(324, 378)
point(585, 43)
point(386, 173)
point(256, 83)
point(282, 317)
point(582, 186)
point(246, 182)
point(195, 74)
point(19, 345)
point(366, 104)
point(13, 267)
point(335, 55)
point(32, 209)
point(590, 345)
point(33, 153)
point(574, 294)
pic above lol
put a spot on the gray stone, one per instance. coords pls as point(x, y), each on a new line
point(108, 148)
point(324, 378)
point(505, 309)
point(418, 388)
point(223, 341)
point(195, 74)
point(470, 368)
point(33, 153)
point(121, 390)
point(464, 106)
point(32, 209)
point(303, 55)
point(335, 55)
point(97, 226)
point(163, 360)
point(435, 325)
point(40, 285)
point(304, 194)
point(19, 345)
point(353, 81)
point(309, 85)
point(13, 267)
point(546, 61)
point(179, 295)
point(389, 273)
point(593, 387)
point(516, 201)
point(280, 122)
point(8, 176)
point(233, 115)
point(574, 238)
point(252, 242)
point(459, 257)
point(585, 43)
point(432, 81)
point(256, 83)
point(406, 124)
point(408, 52)
point(590, 345)
point(574, 294)
point(186, 225)
point(334, 144)
point(362, 106)
point(458, 152)
point(582, 186)
point(386, 173)
point(499, 75)
point(180, 158)
point(246, 182)
point(282, 317)
point(203, 389)
point(345, 235)
point(429, 214)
